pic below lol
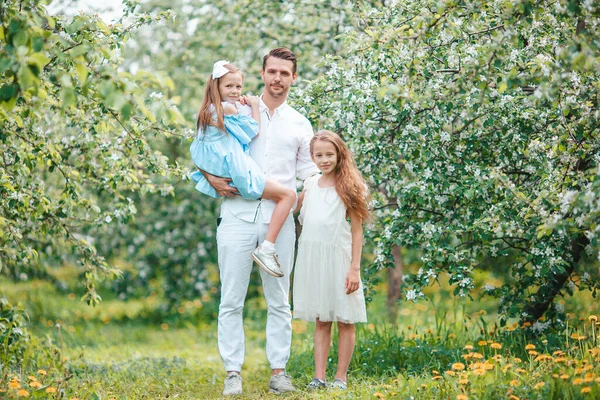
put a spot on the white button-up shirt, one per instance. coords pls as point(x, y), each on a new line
point(282, 151)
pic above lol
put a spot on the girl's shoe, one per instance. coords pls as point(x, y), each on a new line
point(339, 384)
point(268, 261)
point(316, 383)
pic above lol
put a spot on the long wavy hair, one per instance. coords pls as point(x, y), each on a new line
point(349, 183)
point(212, 97)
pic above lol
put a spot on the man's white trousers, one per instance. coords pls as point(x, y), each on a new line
point(236, 238)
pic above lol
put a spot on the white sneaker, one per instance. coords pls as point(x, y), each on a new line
point(268, 261)
point(281, 383)
point(233, 385)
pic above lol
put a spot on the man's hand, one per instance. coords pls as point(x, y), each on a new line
point(352, 280)
point(221, 185)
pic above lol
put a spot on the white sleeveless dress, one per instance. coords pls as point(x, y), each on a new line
point(324, 256)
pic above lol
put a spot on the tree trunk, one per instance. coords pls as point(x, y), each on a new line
point(394, 283)
point(546, 294)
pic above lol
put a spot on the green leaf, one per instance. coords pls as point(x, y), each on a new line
point(8, 91)
point(81, 72)
point(25, 77)
point(38, 59)
point(502, 87)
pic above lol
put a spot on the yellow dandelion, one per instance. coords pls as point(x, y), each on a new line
point(451, 373)
point(435, 372)
point(564, 377)
point(476, 365)
point(463, 381)
point(530, 347)
point(458, 366)
point(592, 318)
point(371, 327)
point(513, 397)
point(477, 355)
point(586, 389)
point(506, 368)
point(482, 343)
point(437, 377)
point(378, 395)
point(578, 371)
point(595, 351)
point(597, 380)
point(539, 385)
point(424, 386)
point(451, 336)
point(526, 324)
point(558, 353)
point(51, 389)
point(22, 393)
point(164, 327)
point(42, 372)
point(555, 376)
point(496, 346)
point(13, 384)
point(574, 336)
point(521, 371)
point(35, 384)
point(467, 356)
point(497, 357)
point(582, 337)
point(559, 360)
point(577, 381)
point(32, 378)
point(532, 353)
point(488, 366)
point(462, 397)
point(514, 382)
point(517, 360)
point(479, 371)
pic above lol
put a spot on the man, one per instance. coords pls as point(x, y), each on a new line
point(282, 152)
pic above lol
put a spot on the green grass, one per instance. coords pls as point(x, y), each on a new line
point(122, 350)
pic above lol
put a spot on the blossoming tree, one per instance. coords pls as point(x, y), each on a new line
point(478, 121)
point(74, 139)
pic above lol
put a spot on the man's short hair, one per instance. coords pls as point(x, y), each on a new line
point(283, 54)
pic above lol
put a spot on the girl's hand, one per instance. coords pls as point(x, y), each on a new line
point(252, 101)
point(352, 280)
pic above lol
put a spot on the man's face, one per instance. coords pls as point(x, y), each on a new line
point(230, 87)
point(278, 76)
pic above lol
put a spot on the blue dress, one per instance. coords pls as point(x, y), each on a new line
point(227, 155)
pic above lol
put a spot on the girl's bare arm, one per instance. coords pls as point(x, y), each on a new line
point(353, 275)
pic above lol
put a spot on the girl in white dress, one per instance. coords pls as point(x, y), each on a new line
point(327, 285)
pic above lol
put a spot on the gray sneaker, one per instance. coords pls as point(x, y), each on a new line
point(233, 385)
point(281, 383)
point(268, 261)
point(316, 383)
point(339, 384)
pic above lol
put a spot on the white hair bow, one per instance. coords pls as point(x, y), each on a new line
point(219, 69)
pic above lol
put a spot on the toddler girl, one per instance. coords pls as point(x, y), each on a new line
point(225, 128)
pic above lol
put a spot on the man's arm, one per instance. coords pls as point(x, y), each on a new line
point(305, 167)
point(221, 185)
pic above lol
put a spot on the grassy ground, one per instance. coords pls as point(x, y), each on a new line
point(442, 349)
